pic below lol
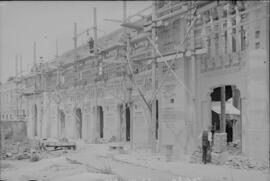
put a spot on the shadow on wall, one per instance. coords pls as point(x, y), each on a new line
point(13, 130)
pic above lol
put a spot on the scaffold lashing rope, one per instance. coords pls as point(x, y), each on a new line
point(175, 57)
point(131, 77)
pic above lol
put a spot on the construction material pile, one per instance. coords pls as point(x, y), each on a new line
point(231, 158)
point(34, 149)
point(234, 148)
point(196, 156)
point(242, 162)
point(18, 150)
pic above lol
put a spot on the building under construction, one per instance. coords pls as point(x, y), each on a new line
point(159, 81)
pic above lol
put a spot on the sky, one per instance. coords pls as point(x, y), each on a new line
point(22, 23)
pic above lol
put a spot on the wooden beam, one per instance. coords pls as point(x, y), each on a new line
point(223, 108)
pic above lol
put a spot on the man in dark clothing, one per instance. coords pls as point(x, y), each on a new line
point(204, 145)
point(206, 141)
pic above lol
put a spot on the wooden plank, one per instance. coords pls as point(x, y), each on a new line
point(207, 7)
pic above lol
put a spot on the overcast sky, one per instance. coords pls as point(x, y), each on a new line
point(22, 23)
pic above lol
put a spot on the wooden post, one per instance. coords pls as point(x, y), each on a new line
point(56, 47)
point(193, 81)
point(75, 35)
point(95, 27)
point(16, 65)
point(96, 115)
point(240, 125)
point(223, 108)
point(35, 53)
point(153, 110)
point(16, 94)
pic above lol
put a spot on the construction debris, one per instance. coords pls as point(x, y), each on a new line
point(34, 149)
point(234, 148)
point(34, 157)
point(231, 158)
point(242, 162)
point(60, 144)
point(196, 156)
point(17, 150)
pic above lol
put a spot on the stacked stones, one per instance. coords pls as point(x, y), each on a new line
point(220, 142)
point(219, 153)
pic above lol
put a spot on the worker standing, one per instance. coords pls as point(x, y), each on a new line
point(206, 144)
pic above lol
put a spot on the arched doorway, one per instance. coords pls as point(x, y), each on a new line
point(232, 112)
point(127, 123)
point(100, 123)
point(35, 120)
point(78, 116)
point(62, 123)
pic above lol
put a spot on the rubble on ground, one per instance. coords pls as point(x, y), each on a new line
point(232, 158)
point(196, 156)
point(17, 150)
point(34, 149)
point(234, 148)
point(103, 140)
point(242, 162)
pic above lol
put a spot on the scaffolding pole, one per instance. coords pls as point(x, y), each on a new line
point(169, 65)
point(154, 64)
point(75, 35)
point(223, 108)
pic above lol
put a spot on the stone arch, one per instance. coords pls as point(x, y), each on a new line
point(233, 123)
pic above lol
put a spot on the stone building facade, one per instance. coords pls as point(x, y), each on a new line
point(11, 101)
point(79, 96)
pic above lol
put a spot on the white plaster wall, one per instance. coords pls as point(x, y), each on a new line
point(176, 123)
point(140, 124)
point(257, 129)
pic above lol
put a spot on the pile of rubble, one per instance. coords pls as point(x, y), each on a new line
point(18, 150)
point(242, 162)
point(196, 156)
point(234, 148)
point(33, 149)
point(231, 158)
point(103, 140)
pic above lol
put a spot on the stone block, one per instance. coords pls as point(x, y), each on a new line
point(220, 142)
point(219, 158)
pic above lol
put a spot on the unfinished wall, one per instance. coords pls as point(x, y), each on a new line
point(140, 116)
point(250, 76)
point(13, 130)
point(257, 125)
point(177, 122)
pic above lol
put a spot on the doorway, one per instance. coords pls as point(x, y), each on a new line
point(79, 122)
point(157, 125)
point(62, 123)
point(127, 123)
point(229, 130)
point(100, 121)
point(35, 120)
point(232, 112)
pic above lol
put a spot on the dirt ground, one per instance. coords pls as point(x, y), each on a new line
point(107, 162)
